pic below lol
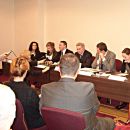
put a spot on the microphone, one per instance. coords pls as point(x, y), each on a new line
point(10, 53)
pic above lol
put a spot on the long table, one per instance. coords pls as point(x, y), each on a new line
point(104, 87)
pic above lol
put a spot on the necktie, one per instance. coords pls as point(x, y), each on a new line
point(101, 64)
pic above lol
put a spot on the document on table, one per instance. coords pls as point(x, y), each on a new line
point(122, 74)
point(90, 70)
point(118, 78)
point(41, 66)
point(85, 73)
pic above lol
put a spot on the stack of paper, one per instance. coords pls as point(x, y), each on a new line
point(118, 78)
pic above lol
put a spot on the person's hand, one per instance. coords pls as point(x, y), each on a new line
point(41, 61)
point(45, 70)
point(101, 55)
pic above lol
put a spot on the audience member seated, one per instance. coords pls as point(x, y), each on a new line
point(35, 52)
point(7, 107)
point(23, 92)
point(52, 55)
point(84, 56)
point(63, 48)
point(74, 96)
point(125, 68)
point(105, 59)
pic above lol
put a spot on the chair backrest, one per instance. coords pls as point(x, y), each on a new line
point(60, 119)
point(19, 122)
point(118, 65)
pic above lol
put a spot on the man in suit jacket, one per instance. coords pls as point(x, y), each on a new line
point(105, 59)
point(74, 96)
point(63, 48)
point(84, 56)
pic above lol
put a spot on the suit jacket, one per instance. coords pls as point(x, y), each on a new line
point(55, 57)
point(38, 56)
point(85, 59)
point(108, 64)
point(74, 96)
point(67, 51)
point(125, 67)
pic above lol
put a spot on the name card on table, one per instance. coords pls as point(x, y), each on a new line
point(118, 78)
point(85, 73)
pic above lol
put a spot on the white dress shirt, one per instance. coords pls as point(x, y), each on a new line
point(7, 107)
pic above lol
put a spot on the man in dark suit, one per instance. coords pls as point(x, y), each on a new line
point(63, 48)
point(74, 96)
point(84, 56)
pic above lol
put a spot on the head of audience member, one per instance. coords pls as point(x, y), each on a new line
point(34, 47)
point(126, 55)
point(19, 67)
point(101, 48)
point(80, 48)
point(69, 66)
point(50, 48)
point(62, 45)
point(7, 107)
point(26, 54)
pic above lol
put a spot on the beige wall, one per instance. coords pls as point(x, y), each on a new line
point(6, 25)
point(88, 21)
point(29, 23)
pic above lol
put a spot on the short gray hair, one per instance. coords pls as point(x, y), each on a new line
point(69, 64)
point(80, 44)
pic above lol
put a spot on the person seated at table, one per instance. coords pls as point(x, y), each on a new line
point(35, 52)
point(105, 59)
point(32, 63)
point(84, 56)
point(23, 92)
point(51, 55)
point(7, 107)
point(125, 68)
point(75, 96)
point(3, 56)
point(63, 48)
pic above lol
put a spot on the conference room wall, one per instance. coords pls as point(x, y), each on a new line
point(29, 23)
point(89, 21)
point(6, 25)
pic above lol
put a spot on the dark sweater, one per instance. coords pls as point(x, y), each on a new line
point(30, 102)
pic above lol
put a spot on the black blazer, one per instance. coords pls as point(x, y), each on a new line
point(67, 51)
point(55, 57)
point(125, 66)
point(38, 56)
point(30, 102)
point(85, 59)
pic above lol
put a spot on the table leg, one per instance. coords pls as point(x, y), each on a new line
point(128, 114)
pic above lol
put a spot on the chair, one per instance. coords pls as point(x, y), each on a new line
point(19, 122)
point(60, 119)
point(118, 65)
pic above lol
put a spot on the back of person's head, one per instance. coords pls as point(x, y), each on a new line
point(26, 54)
point(102, 46)
point(31, 46)
point(64, 42)
point(126, 51)
point(7, 107)
point(19, 66)
point(69, 65)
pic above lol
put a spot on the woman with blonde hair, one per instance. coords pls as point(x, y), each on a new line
point(23, 92)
